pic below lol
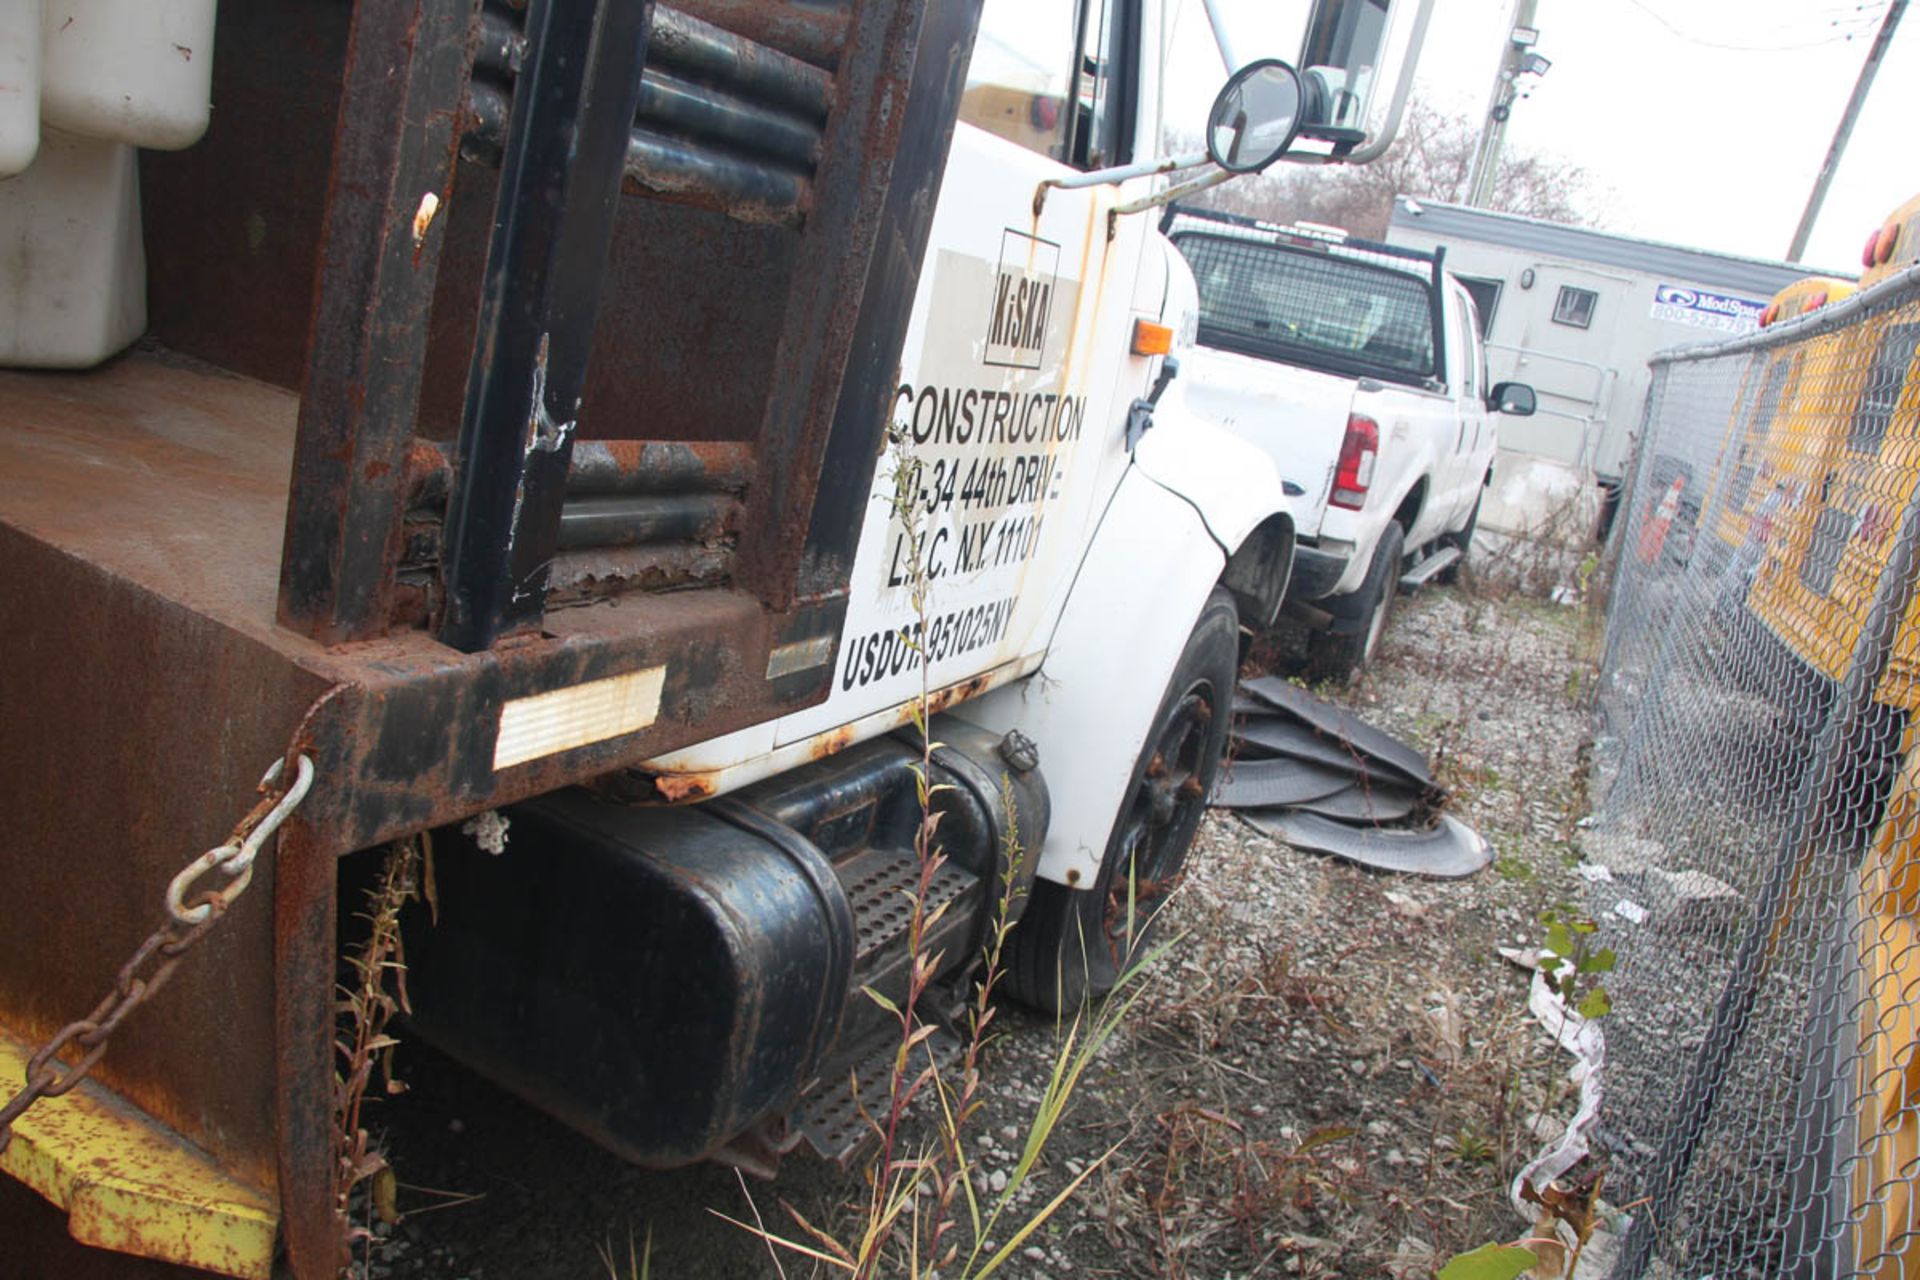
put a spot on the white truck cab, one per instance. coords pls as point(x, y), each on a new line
point(1040, 515)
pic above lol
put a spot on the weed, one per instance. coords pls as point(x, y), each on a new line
point(365, 1006)
point(1205, 1183)
point(1571, 961)
point(639, 1264)
point(1471, 1146)
point(1489, 1262)
point(1552, 553)
point(1462, 776)
point(1510, 866)
point(1569, 964)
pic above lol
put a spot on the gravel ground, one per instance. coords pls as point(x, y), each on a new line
point(1329, 1074)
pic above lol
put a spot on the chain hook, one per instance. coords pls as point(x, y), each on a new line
point(235, 858)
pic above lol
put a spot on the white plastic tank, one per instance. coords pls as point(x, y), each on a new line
point(82, 84)
point(73, 276)
point(140, 71)
point(19, 84)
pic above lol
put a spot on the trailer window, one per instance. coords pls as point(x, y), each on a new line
point(1575, 307)
point(1311, 307)
point(1021, 82)
point(1886, 380)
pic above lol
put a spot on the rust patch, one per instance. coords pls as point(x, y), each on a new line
point(413, 600)
point(586, 577)
point(429, 472)
point(645, 466)
point(683, 788)
point(832, 744)
point(954, 694)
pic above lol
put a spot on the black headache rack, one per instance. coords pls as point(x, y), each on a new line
point(494, 350)
point(1397, 259)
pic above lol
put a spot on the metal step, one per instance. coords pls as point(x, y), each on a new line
point(826, 1117)
point(1421, 574)
point(878, 881)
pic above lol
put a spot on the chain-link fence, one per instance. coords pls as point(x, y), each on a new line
point(1754, 854)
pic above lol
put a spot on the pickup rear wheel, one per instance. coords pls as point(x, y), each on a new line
point(1072, 945)
point(1339, 655)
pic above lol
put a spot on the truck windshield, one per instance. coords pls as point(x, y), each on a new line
point(1311, 307)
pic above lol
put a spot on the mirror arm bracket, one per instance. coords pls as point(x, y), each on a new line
point(1373, 148)
point(1178, 191)
point(1117, 173)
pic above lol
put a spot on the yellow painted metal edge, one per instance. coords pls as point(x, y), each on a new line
point(130, 1184)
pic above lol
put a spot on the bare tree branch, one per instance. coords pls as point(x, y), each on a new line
point(1433, 159)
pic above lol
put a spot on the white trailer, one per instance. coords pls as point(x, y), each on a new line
point(1575, 313)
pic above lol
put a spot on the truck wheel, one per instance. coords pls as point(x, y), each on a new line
point(1463, 540)
point(1072, 945)
point(1337, 655)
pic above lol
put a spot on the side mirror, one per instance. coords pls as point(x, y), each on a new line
point(1516, 398)
point(1255, 117)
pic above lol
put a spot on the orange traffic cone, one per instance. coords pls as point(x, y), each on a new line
point(1654, 536)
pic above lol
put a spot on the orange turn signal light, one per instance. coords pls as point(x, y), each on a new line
point(1150, 339)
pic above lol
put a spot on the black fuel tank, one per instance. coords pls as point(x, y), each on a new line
point(664, 980)
point(657, 978)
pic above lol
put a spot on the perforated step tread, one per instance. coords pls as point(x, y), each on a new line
point(877, 883)
point(826, 1117)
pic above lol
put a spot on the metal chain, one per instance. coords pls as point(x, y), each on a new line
point(185, 924)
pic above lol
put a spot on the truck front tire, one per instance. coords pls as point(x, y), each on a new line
point(1073, 945)
point(1339, 655)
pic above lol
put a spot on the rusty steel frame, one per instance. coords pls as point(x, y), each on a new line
point(851, 453)
point(406, 739)
point(843, 229)
point(407, 69)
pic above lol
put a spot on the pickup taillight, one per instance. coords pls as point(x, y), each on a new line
point(1355, 472)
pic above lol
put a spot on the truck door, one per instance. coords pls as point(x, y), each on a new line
point(1013, 381)
point(1473, 444)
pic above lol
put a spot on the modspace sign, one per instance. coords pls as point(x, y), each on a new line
point(1677, 304)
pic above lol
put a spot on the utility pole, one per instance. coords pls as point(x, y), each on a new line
point(1516, 59)
point(1818, 196)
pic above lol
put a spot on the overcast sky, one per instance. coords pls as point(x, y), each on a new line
point(1700, 121)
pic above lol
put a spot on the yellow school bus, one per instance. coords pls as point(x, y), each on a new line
point(1844, 456)
point(1844, 462)
point(1893, 246)
point(1779, 440)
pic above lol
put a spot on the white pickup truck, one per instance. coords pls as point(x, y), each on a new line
point(1359, 368)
